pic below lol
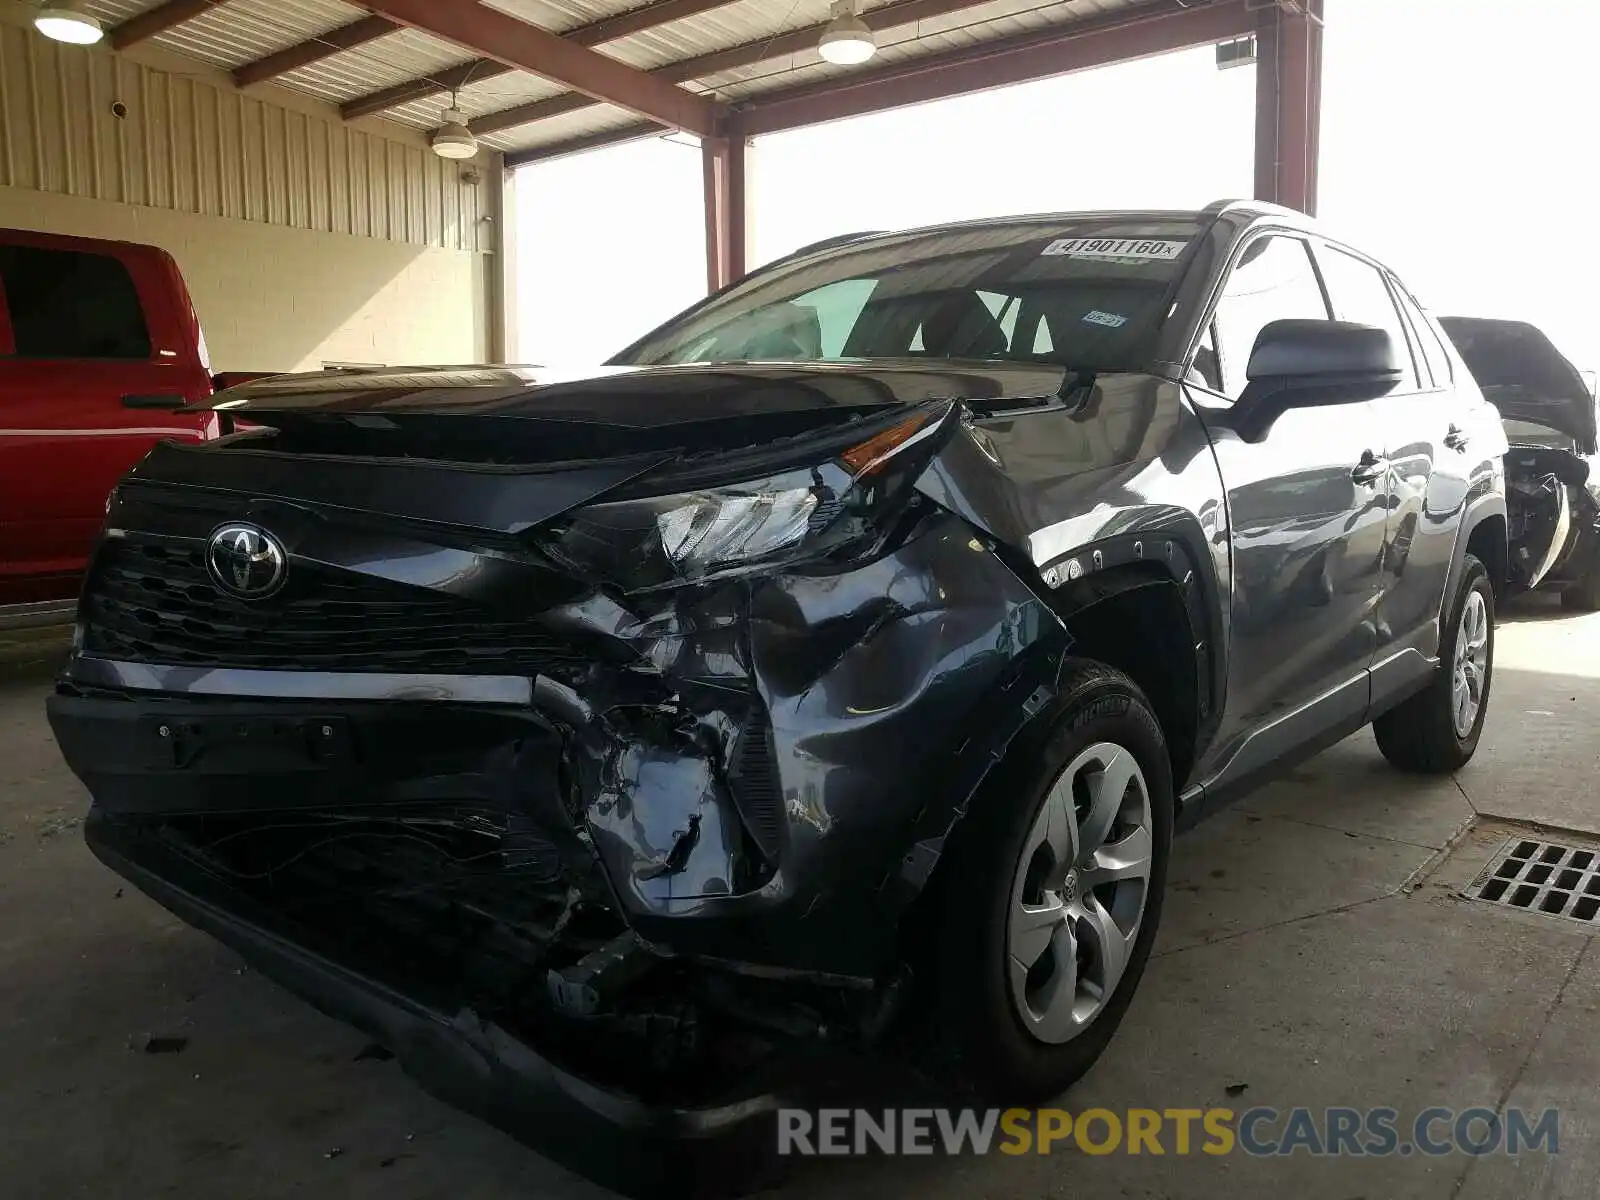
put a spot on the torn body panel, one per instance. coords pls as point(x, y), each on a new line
point(760, 745)
point(1123, 480)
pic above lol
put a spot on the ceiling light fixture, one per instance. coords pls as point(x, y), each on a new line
point(69, 21)
point(453, 139)
point(847, 41)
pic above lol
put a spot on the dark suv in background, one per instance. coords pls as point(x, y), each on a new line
point(837, 663)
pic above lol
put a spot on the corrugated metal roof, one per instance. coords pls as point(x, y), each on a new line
point(502, 91)
point(227, 35)
point(949, 32)
point(239, 31)
point(731, 25)
point(393, 58)
point(601, 118)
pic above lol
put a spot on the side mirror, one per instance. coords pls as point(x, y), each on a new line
point(1306, 364)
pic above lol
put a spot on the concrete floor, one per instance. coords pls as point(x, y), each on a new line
point(1314, 947)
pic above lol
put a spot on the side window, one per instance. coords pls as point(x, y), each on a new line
point(69, 304)
point(1272, 281)
point(838, 307)
point(1205, 369)
point(816, 325)
point(1043, 343)
point(1004, 310)
point(1432, 348)
point(1359, 292)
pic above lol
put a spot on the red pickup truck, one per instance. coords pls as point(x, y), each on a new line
point(99, 348)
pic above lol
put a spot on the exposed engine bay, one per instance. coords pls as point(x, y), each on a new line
point(1550, 415)
point(1551, 514)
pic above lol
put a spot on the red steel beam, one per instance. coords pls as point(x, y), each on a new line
point(726, 205)
point(768, 49)
point(502, 37)
point(1149, 29)
point(1288, 105)
point(302, 54)
point(715, 154)
point(606, 29)
point(589, 141)
point(157, 20)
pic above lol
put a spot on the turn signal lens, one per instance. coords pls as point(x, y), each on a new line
point(868, 456)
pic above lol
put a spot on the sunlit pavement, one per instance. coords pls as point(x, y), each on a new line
point(1315, 949)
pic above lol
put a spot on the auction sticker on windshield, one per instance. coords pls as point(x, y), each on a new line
point(1126, 249)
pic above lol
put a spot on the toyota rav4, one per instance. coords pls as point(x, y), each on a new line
point(838, 662)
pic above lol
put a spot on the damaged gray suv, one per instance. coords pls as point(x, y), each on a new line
point(829, 672)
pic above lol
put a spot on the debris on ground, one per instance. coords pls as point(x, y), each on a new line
point(334, 1152)
point(1236, 1089)
point(151, 1043)
point(53, 826)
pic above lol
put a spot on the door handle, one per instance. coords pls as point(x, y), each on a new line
point(1456, 438)
point(159, 400)
point(1370, 469)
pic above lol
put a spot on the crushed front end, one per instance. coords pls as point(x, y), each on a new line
point(601, 840)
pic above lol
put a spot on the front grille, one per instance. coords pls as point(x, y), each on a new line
point(150, 600)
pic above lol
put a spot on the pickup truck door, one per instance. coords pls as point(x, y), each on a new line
point(96, 363)
point(1306, 509)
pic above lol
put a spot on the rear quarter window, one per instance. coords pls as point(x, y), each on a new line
point(72, 304)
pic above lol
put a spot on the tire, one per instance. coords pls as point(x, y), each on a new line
point(985, 1042)
point(1584, 595)
point(1422, 734)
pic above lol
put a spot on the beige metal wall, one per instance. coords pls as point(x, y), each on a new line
point(304, 239)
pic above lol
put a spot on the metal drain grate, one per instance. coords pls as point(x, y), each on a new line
point(1542, 877)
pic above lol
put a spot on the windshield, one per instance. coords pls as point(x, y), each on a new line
point(1084, 292)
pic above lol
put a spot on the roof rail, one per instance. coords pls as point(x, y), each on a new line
point(1218, 207)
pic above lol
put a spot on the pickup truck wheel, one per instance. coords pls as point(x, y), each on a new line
point(1051, 894)
point(1437, 730)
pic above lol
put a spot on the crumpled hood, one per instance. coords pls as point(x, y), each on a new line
point(639, 397)
point(1525, 376)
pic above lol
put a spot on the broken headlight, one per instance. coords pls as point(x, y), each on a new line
point(806, 513)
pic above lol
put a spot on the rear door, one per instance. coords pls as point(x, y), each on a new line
point(1425, 443)
point(96, 362)
point(1306, 505)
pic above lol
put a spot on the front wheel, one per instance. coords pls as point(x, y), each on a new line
point(1437, 730)
point(1049, 898)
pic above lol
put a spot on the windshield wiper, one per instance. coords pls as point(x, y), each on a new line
point(1076, 388)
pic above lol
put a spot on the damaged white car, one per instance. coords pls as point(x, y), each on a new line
point(1552, 488)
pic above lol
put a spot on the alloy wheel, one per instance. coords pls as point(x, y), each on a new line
point(1079, 893)
point(1470, 674)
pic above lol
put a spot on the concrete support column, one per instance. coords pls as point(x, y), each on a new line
point(1288, 102)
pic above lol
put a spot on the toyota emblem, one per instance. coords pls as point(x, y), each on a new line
point(246, 561)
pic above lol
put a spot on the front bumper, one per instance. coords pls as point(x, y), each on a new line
point(760, 806)
point(723, 1146)
point(772, 791)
